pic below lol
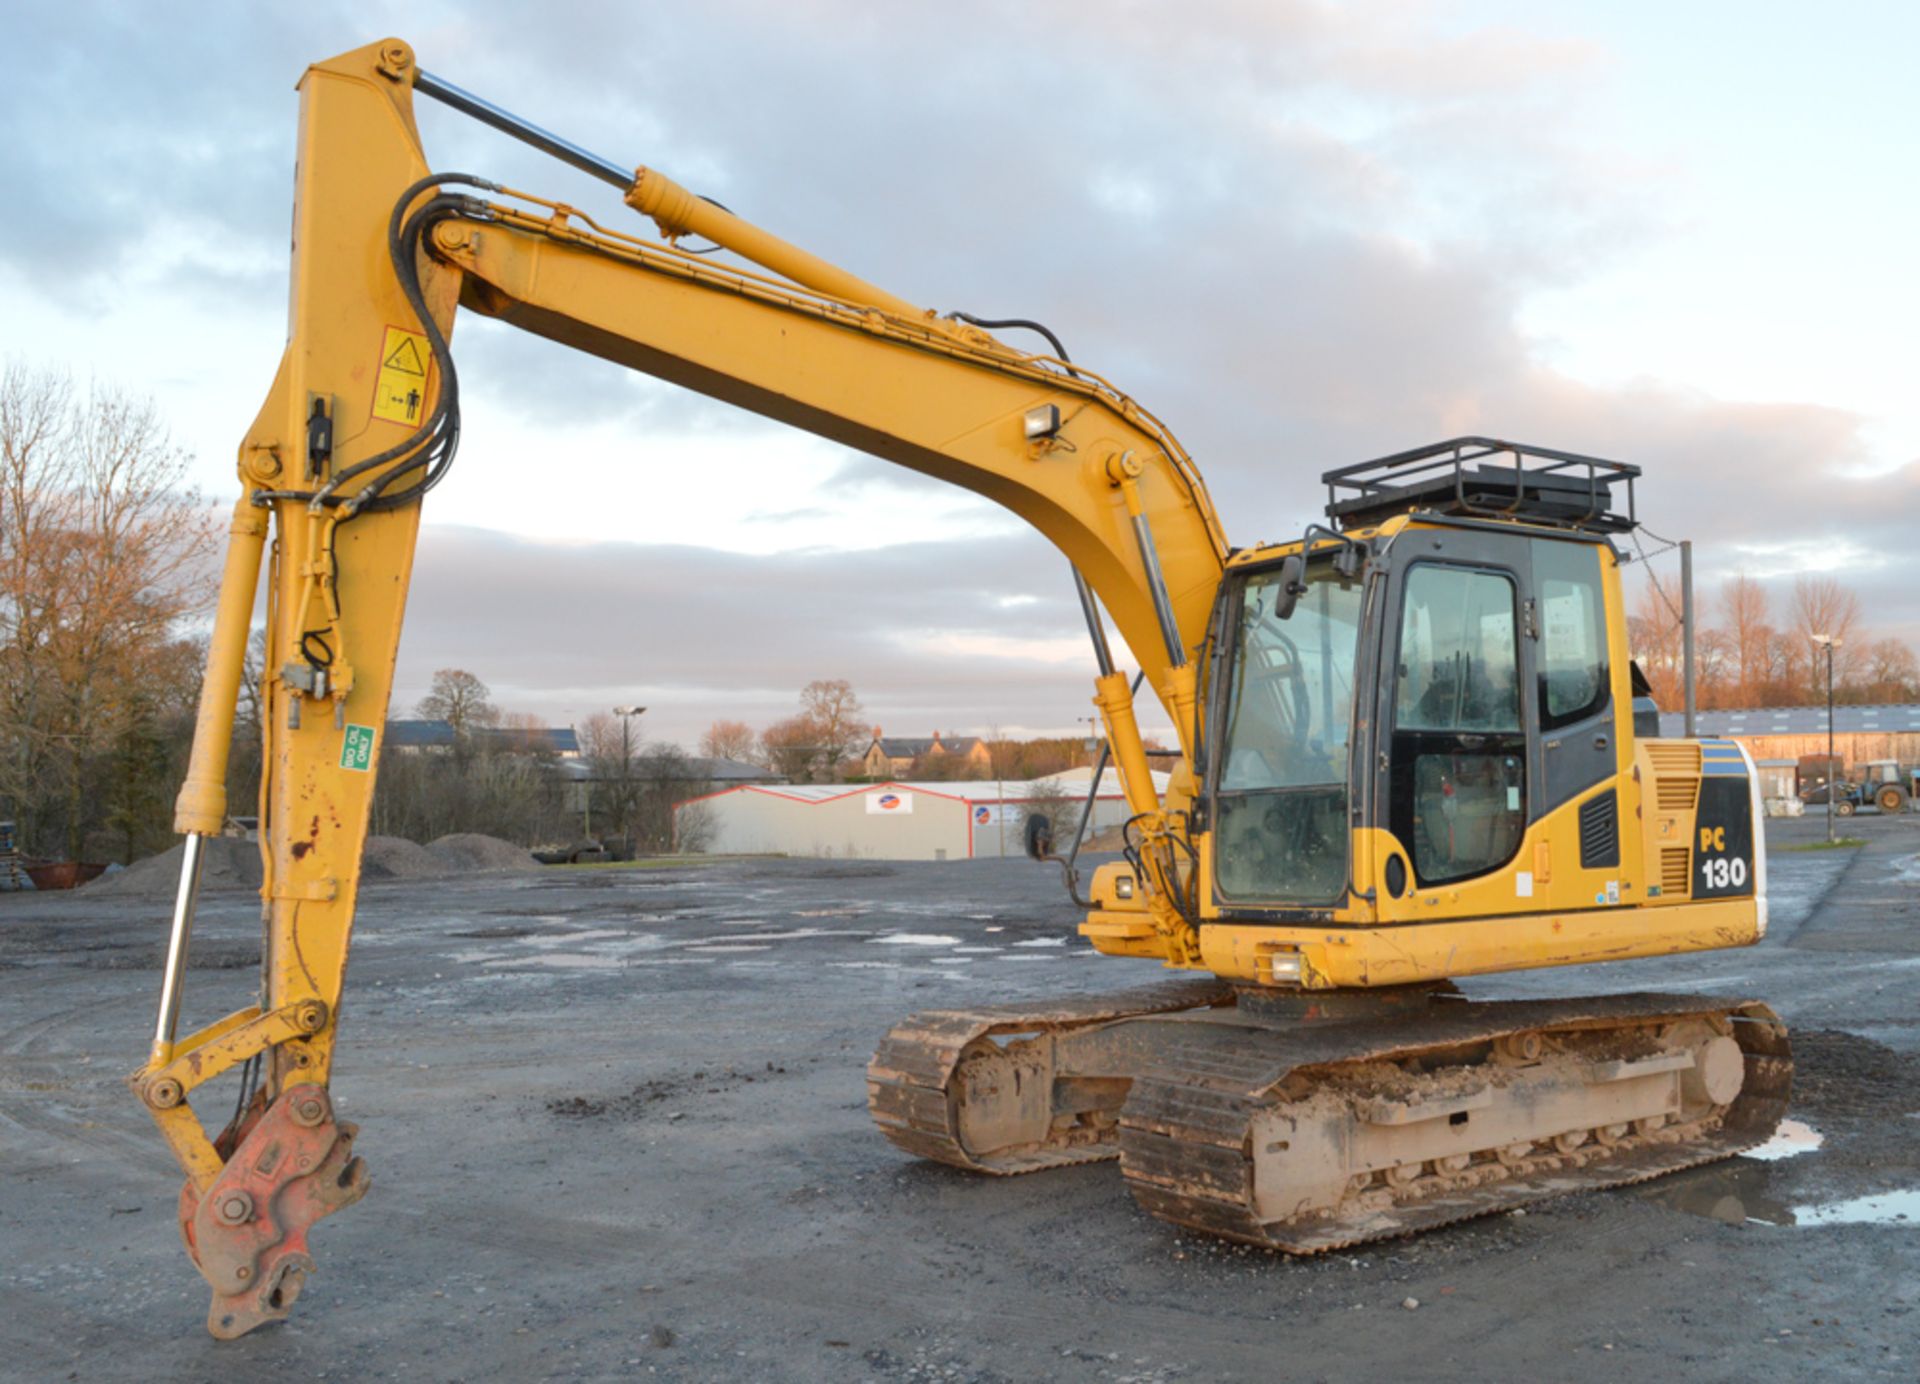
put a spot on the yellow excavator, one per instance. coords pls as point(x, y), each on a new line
point(1407, 751)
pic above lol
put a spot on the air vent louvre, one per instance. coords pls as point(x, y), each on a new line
point(1676, 775)
point(1600, 832)
point(1675, 874)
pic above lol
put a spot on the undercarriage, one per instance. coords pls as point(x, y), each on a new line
point(1308, 1122)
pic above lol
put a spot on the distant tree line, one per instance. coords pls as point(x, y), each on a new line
point(502, 775)
point(823, 743)
point(1748, 655)
point(497, 776)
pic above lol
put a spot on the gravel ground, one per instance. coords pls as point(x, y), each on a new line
point(616, 1125)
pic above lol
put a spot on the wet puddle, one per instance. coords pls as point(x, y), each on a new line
point(917, 939)
point(1889, 1208)
point(1794, 1137)
point(1732, 1193)
point(1737, 1192)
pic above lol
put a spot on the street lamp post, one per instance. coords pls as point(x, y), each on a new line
point(1829, 643)
point(626, 715)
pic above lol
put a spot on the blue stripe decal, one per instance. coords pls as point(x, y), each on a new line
point(1721, 759)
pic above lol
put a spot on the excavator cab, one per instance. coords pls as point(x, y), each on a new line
point(1449, 689)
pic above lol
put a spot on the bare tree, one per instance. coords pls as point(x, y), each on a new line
point(839, 721)
point(1890, 672)
point(1653, 632)
point(666, 778)
point(461, 700)
point(728, 740)
point(103, 551)
point(792, 749)
point(611, 754)
point(1821, 605)
point(1747, 622)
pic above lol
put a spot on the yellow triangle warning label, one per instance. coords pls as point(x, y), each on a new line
point(402, 382)
point(406, 357)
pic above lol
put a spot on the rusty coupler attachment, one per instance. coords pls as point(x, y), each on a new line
point(289, 1164)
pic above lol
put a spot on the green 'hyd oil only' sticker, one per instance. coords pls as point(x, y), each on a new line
point(356, 751)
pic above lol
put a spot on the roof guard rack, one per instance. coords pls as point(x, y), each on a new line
point(1541, 486)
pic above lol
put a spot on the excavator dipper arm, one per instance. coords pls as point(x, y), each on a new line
point(361, 422)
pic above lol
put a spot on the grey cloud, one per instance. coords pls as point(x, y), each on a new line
point(1292, 230)
point(129, 122)
point(702, 633)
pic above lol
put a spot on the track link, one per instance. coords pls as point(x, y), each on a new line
point(910, 1081)
point(1190, 1122)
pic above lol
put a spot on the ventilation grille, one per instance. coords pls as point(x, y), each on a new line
point(1600, 832)
point(1676, 775)
point(1675, 878)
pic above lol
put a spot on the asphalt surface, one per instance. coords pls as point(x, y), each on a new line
point(617, 1128)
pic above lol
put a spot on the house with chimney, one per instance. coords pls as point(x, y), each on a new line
point(891, 756)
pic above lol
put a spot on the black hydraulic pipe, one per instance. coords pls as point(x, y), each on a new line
point(1096, 629)
point(526, 131)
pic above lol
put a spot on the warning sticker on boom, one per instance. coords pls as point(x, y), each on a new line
point(356, 749)
point(406, 366)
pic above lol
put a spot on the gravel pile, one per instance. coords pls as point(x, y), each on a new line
point(228, 864)
point(232, 865)
point(466, 852)
point(395, 857)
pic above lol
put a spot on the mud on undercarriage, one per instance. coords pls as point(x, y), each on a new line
point(1305, 1123)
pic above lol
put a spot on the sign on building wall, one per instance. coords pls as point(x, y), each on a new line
point(889, 803)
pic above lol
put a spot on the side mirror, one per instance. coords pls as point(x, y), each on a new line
point(1039, 837)
point(1293, 570)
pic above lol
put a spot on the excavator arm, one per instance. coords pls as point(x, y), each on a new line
point(361, 423)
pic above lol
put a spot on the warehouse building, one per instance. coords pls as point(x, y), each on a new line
point(897, 821)
point(1861, 734)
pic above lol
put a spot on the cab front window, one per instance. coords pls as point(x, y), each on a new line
point(1280, 820)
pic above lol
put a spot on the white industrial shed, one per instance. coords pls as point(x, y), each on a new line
point(894, 821)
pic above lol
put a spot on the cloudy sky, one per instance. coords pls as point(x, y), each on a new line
point(1304, 234)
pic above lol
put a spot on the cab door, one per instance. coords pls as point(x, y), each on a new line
point(1453, 711)
point(1573, 682)
point(1495, 702)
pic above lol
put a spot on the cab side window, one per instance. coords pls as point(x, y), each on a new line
point(1572, 659)
point(1458, 670)
point(1459, 750)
